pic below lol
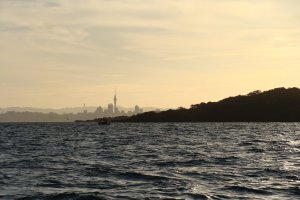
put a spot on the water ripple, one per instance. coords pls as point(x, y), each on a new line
point(150, 161)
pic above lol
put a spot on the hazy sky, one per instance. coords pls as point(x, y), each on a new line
point(163, 53)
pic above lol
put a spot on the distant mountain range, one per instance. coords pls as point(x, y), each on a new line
point(277, 105)
point(73, 110)
point(48, 110)
point(28, 114)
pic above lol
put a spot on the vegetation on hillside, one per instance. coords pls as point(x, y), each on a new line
point(277, 105)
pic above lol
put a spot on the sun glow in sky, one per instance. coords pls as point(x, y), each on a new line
point(162, 53)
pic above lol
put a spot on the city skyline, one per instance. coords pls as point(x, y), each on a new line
point(113, 110)
point(165, 54)
point(83, 114)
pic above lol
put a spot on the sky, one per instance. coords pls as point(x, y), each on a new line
point(161, 53)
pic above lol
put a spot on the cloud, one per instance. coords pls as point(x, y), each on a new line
point(13, 28)
point(88, 42)
point(30, 3)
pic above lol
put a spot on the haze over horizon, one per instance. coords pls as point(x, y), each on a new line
point(170, 53)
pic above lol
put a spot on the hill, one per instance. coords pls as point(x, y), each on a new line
point(277, 105)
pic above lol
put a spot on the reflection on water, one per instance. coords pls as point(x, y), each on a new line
point(139, 161)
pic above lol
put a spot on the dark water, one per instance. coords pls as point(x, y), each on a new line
point(150, 161)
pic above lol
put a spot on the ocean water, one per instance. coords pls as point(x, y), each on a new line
point(150, 161)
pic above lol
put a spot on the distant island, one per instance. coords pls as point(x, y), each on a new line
point(276, 105)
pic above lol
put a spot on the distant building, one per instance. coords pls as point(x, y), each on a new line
point(116, 111)
point(110, 109)
point(115, 103)
point(137, 110)
point(98, 112)
point(85, 110)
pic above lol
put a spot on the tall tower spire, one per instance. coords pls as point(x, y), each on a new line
point(115, 102)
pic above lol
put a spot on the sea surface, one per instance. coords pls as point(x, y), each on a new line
point(150, 161)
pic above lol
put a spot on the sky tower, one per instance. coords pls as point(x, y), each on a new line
point(115, 102)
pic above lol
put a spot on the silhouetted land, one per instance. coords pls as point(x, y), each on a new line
point(277, 105)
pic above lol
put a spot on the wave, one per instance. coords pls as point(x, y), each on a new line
point(228, 160)
point(142, 176)
point(52, 183)
point(243, 189)
point(199, 196)
point(186, 163)
point(149, 161)
point(64, 196)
